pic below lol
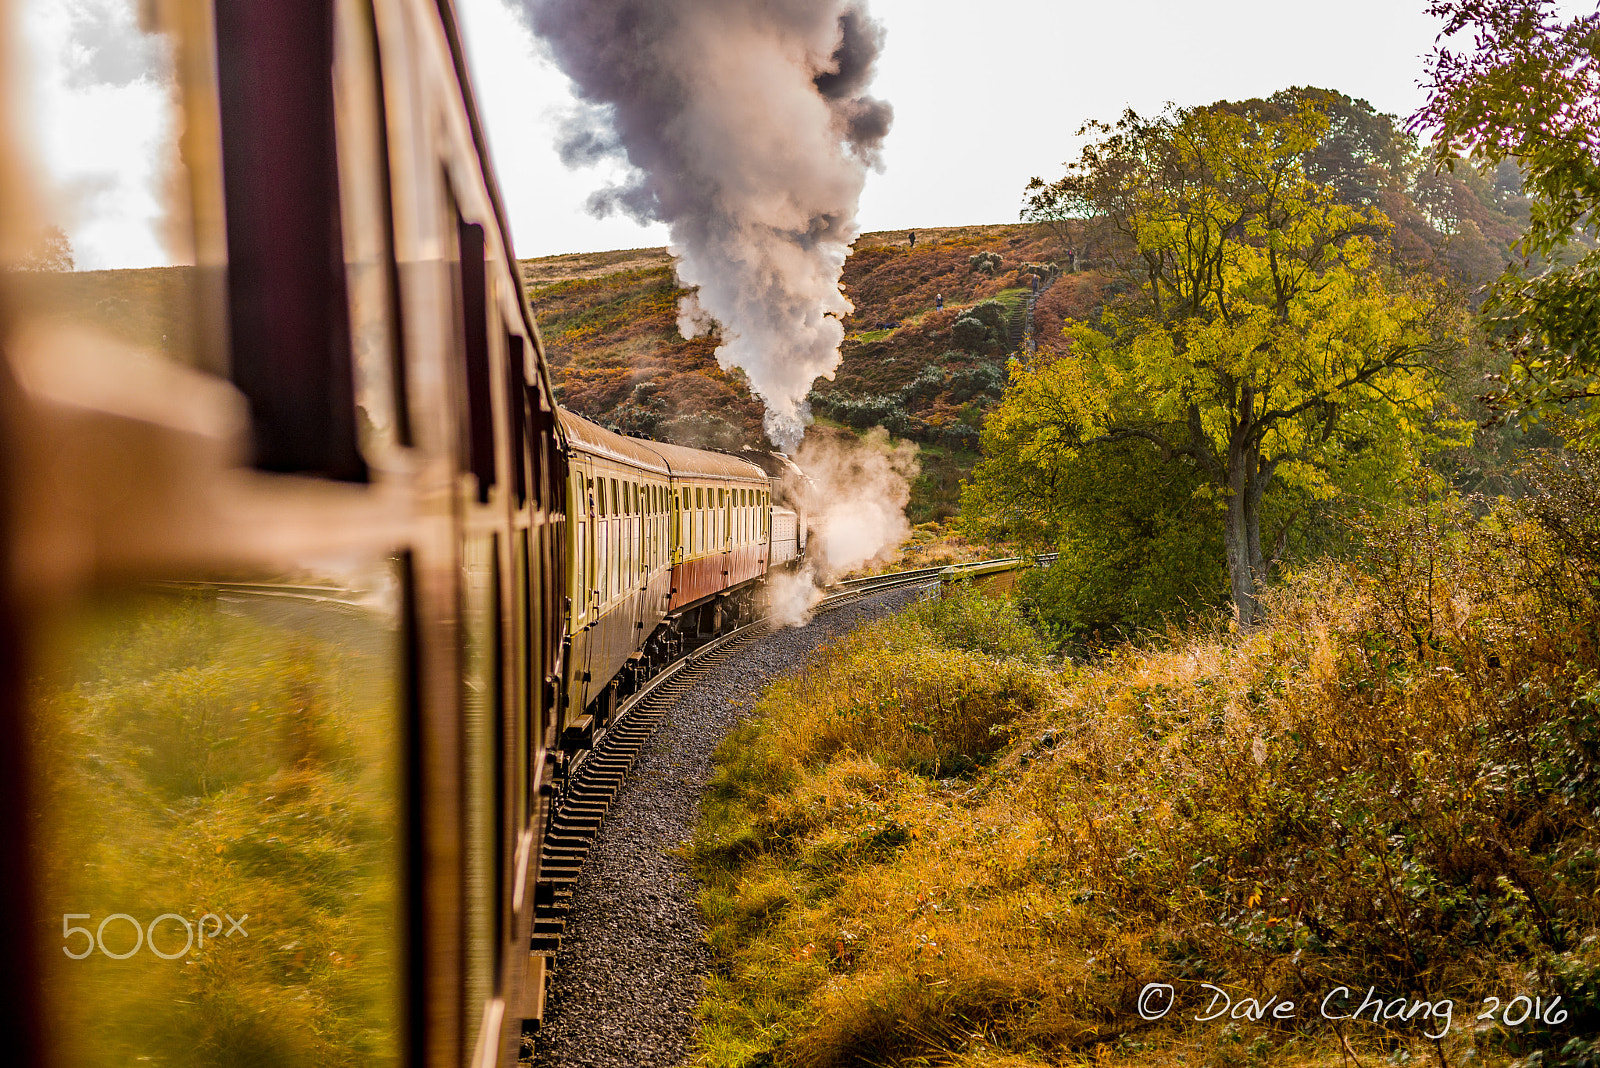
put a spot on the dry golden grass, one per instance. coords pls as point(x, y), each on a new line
point(1391, 785)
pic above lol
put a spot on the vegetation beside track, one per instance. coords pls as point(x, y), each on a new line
point(204, 763)
point(937, 846)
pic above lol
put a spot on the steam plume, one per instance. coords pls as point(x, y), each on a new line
point(861, 487)
point(749, 133)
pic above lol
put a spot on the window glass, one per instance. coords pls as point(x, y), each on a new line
point(481, 750)
point(122, 118)
point(218, 783)
point(581, 598)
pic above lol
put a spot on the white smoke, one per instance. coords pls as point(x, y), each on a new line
point(750, 135)
point(863, 486)
point(791, 595)
point(858, 509)
point(100, 114)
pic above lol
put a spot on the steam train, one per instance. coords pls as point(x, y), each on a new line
point(311, 595)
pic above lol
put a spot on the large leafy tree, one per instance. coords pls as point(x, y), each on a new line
point(1265, 348)
point(1528, 92)
point(1460, 224)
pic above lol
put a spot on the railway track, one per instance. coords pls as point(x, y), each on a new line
point(595, 783)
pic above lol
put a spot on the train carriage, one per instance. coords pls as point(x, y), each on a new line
point(719, 526)
point(620, 579)
point(311, 597)
point(281, 576)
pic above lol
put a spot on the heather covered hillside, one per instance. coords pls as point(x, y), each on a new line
point(609, 322)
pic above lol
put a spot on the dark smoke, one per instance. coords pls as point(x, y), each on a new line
point(749, 132)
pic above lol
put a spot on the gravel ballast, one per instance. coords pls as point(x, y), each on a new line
point(633, 960)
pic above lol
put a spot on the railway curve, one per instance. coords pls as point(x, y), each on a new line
point(631, 957)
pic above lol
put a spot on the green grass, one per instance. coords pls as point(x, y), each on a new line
point(1012, 299)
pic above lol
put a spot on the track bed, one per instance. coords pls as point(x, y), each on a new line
point(633, 958)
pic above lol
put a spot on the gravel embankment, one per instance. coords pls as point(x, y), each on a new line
point(633, 960)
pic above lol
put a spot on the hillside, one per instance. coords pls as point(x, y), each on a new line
point(609, 322)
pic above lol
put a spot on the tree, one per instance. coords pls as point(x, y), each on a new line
point(1529, 92)
point(1265, 348)
point(1137, 543)
point(1461, 224)
point(51, 252)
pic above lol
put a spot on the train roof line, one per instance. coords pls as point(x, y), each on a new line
point(660, 457)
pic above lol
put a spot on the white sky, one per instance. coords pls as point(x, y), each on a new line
point(985, 96)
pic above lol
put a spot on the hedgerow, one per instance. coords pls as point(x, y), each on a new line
point(1392, 785)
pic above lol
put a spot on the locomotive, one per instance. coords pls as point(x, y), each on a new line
point(311, 595)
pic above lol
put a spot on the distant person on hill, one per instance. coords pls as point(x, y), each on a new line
point(913, 237)
point(938, 301)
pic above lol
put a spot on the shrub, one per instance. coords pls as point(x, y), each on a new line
point(987, 262)
point(993, 626)
point(991, 313)
point(970, 335)
point(1391, 784)
point(986, 378)
point(926, 692)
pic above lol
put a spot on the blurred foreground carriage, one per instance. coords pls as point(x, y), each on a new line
point(311, 598)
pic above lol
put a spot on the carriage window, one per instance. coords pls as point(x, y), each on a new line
point(517, 401)
point(581, 542)
point(474, 310)
point(208, 752)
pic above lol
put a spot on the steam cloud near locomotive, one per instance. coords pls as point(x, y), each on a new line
point(748, 130)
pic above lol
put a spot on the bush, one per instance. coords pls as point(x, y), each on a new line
point(970, 335)
point(986, 378)
point(981, 328)
point(987, 262)
point(991, 313)
point(1391, 784)
point(965, 619)
point(927, 692)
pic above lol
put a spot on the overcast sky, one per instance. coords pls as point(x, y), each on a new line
point(986, 95)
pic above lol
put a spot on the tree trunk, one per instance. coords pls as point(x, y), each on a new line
point(1237, 538)
point(1247, 569)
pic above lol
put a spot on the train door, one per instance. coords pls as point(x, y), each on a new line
point(585, 580)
